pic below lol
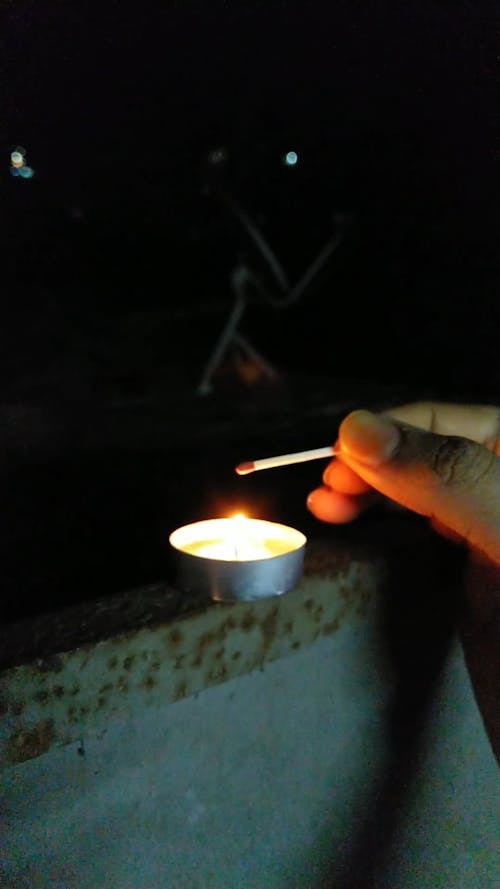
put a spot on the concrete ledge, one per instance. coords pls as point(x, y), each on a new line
point(175, 649)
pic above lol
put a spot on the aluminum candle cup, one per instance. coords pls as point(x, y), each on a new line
point(238, 558)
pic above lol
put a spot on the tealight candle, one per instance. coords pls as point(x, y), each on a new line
point(238, 558)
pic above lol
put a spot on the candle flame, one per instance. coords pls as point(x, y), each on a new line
point(234, 539)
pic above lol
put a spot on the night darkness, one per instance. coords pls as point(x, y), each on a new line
point(117, 254)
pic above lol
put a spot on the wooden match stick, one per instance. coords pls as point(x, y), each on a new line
point(286, 459)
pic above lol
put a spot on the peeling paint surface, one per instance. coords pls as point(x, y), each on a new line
point(29, 743)
point(56, 699)
point(277, 743)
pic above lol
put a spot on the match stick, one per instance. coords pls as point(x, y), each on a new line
point(286, 459)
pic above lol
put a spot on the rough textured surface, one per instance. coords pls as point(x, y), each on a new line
point(294, 777)
point(166, 654)
point(326, 738)
point(45, 636)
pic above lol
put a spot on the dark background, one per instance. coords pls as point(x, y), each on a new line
point(117, 255)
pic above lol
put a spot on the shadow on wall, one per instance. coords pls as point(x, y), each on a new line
point(419, 623)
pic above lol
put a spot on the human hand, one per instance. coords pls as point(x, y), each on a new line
point(442, 461)
point(439, 460)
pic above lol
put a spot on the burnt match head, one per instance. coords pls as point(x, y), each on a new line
point(245, 468)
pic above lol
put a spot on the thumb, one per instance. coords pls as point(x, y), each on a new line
point(453, 481)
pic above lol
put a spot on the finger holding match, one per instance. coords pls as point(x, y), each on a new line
point(339, 477)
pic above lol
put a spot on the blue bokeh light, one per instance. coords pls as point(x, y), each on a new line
point(291, 158)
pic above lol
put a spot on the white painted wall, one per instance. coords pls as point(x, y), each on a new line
point(262, 782)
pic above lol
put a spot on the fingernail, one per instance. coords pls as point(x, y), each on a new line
point(368, 438)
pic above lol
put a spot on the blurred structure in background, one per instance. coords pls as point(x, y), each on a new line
point(292, 205)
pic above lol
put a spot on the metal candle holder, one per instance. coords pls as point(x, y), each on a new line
point(238, 558)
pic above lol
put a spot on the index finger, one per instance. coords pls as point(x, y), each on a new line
point(479, 423)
